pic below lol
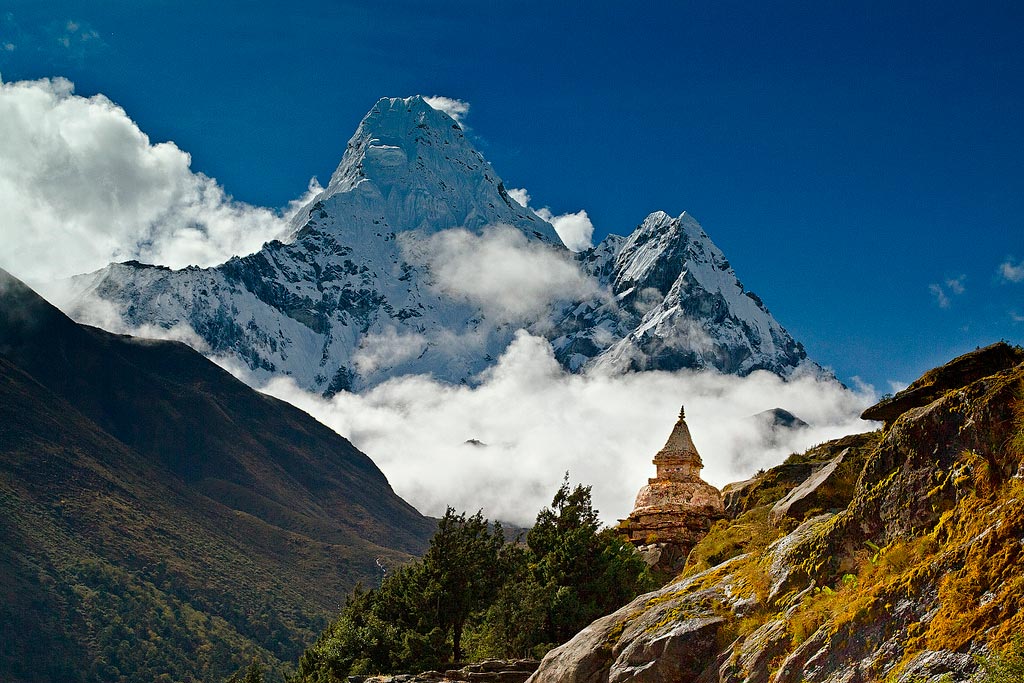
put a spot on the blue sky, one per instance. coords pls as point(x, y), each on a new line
point(859, 163)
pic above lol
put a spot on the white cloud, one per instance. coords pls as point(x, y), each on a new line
point(78, 37)
point(940, 295)
point(457, 109)
point(896, 386)
point(951, 287)
point(81, 185)
point(386, 349)
point(520, 195)
point(574, 229)
point(509, 277)
point(294, 206)
point(539, 421)
point(1012, 272)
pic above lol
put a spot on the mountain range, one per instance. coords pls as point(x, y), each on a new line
point(415, 259)
point(161, 520)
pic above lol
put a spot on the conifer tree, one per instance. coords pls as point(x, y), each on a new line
point(461, 571)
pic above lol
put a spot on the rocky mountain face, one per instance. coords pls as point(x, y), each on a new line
point(160, 518)
point(675, 303)
point(888, 556)
point(371, 283)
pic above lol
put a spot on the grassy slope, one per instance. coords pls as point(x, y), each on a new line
point(159, 517)
point(926, 556)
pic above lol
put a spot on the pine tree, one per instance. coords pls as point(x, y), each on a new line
point(585, 572)
point(462, 571)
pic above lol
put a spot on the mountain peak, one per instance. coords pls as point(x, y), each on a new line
point(399, 113)
point(387, 138)
point(661, 221)
point(689, 308)
point(410, 166)
point(416, 104)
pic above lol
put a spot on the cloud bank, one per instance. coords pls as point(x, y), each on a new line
point(509, 277)
point(574, 229)
point(81, 185)
point(537, 422)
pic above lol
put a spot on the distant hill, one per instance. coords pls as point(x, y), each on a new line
point(159, 520)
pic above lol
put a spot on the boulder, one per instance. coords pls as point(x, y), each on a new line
point(805, 496)
point(667, 636)
point(663, 557)
point(776, 482)
point(678, 655)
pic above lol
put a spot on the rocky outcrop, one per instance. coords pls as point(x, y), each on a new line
point(739, 496)
point(668, 635)
point(957, 373)
point(774, 485)
point(487, 671)
point(904, 563)
point(808, 494)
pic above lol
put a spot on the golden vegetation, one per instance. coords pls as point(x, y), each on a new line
point(729, 538)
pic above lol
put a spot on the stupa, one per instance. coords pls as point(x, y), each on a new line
point(676, 508)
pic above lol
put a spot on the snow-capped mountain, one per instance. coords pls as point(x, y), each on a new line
point(676, 304)
point(368, 285)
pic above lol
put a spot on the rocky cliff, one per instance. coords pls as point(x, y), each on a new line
point(888, 556)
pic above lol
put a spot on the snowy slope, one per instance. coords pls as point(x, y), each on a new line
point(354, 297)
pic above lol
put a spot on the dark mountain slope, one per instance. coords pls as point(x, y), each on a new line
point(159, 517)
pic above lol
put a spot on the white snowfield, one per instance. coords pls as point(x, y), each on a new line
point(415, 260)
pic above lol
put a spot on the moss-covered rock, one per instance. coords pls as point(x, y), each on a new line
point(959, 372)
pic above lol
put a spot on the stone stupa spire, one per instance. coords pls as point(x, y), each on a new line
point(676, 508)
point(678, 459)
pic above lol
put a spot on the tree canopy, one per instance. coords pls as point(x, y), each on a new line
point(475, 595)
